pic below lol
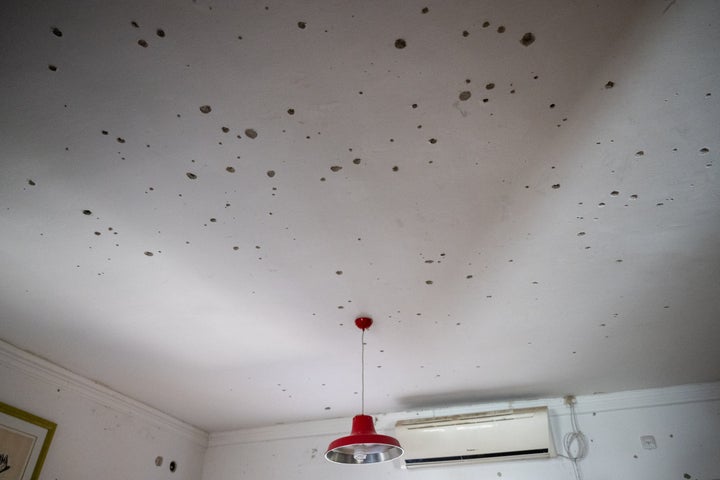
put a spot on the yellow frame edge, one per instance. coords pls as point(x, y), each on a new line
point(35, 420)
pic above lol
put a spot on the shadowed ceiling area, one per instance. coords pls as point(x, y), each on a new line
point(197, 199)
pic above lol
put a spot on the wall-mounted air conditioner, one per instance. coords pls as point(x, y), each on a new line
point(480, 437)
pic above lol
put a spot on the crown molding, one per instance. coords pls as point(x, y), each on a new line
point(35, 367)
point(43, 370)
point(385, 423)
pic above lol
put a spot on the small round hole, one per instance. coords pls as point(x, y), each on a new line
point(173, 466)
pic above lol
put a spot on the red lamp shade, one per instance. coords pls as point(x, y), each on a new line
point(363, 445)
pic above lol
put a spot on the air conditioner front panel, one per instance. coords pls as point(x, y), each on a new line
point(521, 434)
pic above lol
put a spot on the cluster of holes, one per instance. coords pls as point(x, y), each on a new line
point(526, 40)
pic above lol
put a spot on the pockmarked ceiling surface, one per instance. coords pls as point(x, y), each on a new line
point(197, 198)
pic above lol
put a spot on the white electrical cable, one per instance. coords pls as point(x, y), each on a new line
point(362, 340)
point(574, 442)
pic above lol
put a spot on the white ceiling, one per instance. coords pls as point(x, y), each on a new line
point(560, 235)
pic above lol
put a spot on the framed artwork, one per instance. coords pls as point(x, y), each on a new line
point(24, 443)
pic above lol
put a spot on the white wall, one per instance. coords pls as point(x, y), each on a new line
point(100, 434)
point(685, 422)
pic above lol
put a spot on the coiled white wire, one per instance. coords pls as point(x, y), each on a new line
point(575, 443)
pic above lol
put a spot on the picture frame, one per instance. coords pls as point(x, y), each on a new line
point(24, 443)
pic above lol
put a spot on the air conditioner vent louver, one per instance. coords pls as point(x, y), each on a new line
point(482, 437)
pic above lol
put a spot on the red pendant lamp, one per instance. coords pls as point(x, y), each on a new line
point(363, 445)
